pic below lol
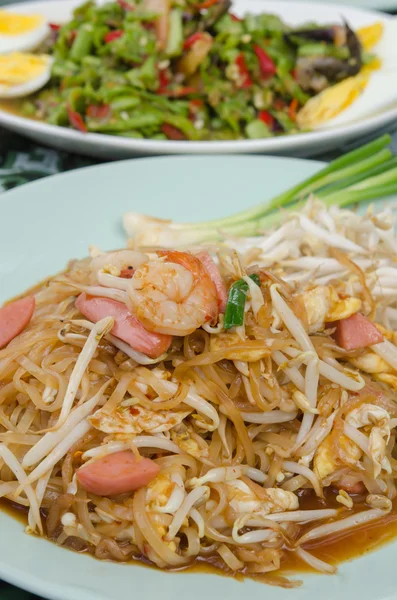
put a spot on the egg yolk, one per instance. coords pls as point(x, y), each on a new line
point(18, 68)
point(13, 24)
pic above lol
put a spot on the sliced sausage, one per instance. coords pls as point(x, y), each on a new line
point(357, 332)
point(213, 272)
point(126, 326)
point(349, 485)
point(117, 473)
point(14, 317)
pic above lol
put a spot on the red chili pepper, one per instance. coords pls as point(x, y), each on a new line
point(292, 109)
point(194, 107)
point(182, 91)
point(113, 35)
point(176, 93)
point(76, 120)
point(192, 39)
point(246, 81)
point(294, 74)
point(54, 26)
point(235, 18)
point(206, 4)
point(266, 64)
point(98, 111)
point(172, 133)
point(125, 5)
point(266, 117)
point(163, 82)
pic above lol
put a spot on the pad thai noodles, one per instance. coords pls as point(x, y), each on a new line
point(179, 405)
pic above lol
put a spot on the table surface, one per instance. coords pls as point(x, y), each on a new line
point(22, 161)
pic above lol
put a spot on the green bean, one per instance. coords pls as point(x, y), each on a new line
point(119, 125)
point(124, 103)
point(83, 42)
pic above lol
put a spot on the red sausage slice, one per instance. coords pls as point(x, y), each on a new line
point(117, 473)
point(213, 272)
point(357, 332)
point(14, 317)
point(126, 326)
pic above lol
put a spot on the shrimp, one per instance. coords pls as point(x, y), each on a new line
point(174, 296)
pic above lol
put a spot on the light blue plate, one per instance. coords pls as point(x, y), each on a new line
point(46, 223)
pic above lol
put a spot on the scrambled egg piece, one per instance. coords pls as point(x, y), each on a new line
point(188, 444)
point(136, 419)
point(323, 305)
point(243, 500)
point(325, 462)
point(369, 362)
point(160, 490)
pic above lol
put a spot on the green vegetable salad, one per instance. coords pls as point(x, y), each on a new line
point(187, 70)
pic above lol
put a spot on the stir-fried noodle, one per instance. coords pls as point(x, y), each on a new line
point(178, 405)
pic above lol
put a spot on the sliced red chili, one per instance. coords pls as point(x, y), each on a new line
point(245, 77)
point(266, 117)
point(293, 109)
point(98, 111)
point(180, 92)
point(266, 64)
point(194, 107)
point(206, 4)
point(76, 120)
point(172, 133)
point(54, 26)
point(125, 5)
point(235, 18)
point(164, 82)
point(113, 35)
point(192, 39)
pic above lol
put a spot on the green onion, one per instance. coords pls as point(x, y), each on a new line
point(234, 313)
point(367, 173)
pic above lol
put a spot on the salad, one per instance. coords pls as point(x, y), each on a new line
point(188, 70)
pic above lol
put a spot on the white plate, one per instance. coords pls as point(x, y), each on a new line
point(390, 5)
point(303, 144)
point(45, 224)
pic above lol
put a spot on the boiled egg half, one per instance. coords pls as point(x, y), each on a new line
point(21, 32)
point(22, 74)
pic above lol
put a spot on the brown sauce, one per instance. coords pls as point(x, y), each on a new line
point(334, 550)
point(14, 107)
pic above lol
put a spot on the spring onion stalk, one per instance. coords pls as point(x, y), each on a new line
point(361, 159)
point(234, 313)
point(367, 173)
point(341, 185)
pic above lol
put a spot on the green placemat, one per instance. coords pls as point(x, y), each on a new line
point(22, 161)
